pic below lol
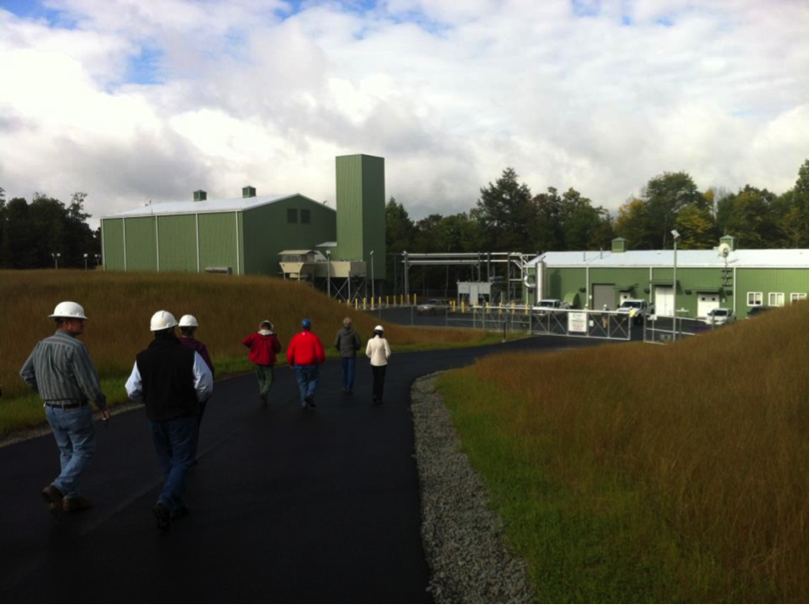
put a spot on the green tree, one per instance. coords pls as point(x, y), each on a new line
point(18, 246)
point(547, 231)
point(632, 224)
point(505, 213)
point(749, 217)
point(665, 195)
point(696, 227)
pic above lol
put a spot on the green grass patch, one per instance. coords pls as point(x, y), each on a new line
point(650, 473)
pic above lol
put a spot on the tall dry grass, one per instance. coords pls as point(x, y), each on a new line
point(119, 306)
point(713, 430)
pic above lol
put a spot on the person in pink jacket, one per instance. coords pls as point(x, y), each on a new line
point(305, 354)
point(263, 346)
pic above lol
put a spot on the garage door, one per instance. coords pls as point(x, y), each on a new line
point(707, 302)
point(664, 301)
point(603, 294)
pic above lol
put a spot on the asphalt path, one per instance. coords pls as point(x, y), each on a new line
point(287, 505)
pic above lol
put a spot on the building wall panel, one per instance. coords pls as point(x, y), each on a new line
point(113, 252)
point(786, 281)
point(267, 232)
point(218, 235)
point(141, 244)
point(361, 210)
point(178, 243)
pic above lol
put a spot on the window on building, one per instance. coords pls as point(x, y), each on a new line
point(305, 217)
point(292, 215)
point(776, 299)
point(794, 296)
point(755, 299)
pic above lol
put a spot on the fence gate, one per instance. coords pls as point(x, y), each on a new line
point(582, 324)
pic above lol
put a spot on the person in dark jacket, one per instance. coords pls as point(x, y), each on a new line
point(348, 343)
point(263, 345)
point(304, 355)
point(188, 328)
point(171, 380)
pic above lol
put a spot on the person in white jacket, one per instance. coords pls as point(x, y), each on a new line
point(379, 352)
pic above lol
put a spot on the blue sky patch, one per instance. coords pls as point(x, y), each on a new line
point(145, 67)
point(585, 8)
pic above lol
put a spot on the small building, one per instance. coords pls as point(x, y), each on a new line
point(703, 279)
point(244, 236)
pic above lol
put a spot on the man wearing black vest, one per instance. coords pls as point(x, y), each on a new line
point(171, 380)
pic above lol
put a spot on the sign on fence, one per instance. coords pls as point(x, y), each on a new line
point(577, 322)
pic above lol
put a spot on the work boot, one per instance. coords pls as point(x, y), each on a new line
point(78, 503)
point(180, 512)
point(53, 498)
point(163, 516)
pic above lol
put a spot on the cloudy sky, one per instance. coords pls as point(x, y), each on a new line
point(138, 100)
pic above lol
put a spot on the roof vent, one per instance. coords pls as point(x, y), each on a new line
point(200, 196)
point(619, 245)
point(248, 191)
point(729, 239)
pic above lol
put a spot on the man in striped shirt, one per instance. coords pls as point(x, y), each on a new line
point(60, 371)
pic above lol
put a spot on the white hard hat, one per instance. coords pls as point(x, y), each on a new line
point(69, 310)
point(162, 320)
point(188, 321)
point(379, 329)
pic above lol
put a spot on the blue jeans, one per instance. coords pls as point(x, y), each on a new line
point(347, 365)
point(175, 444)
point(307, 377)
point(76, 437)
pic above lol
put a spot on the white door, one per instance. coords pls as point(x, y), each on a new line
point(664, 301)
point(707, 302)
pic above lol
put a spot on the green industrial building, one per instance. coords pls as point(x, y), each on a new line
point(704, 279)
point(244, 236)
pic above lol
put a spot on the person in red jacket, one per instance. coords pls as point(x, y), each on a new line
point(305, 354)
point(263, 346)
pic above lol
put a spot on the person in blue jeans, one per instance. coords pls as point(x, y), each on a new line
point(304, 354)
point(60, 371)
point(171, 380)
point(348, 342)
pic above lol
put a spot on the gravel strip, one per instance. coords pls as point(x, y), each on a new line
point(463, 538)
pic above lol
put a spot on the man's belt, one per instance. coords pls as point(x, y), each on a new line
point(65, 404)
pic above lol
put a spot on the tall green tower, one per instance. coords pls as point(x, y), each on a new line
point(361, 211)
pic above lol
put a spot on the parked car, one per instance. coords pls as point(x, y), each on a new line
point(434, 306)
point(755, 311)
point(719, 317)
point(636, 309)
point(549, 305)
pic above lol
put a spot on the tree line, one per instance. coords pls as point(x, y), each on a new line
point(507, 217)
point(32, 235)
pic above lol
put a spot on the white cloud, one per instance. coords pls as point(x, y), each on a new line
point(598, 96)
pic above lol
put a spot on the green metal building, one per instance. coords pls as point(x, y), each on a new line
point(361, 224)
point(704, 279)
point(245, 235)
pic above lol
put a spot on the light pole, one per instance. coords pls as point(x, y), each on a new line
point(675, 236)
point(98, 260)
point(371, 254)
point(329, 273)
point(85, 261)
point(55, 256)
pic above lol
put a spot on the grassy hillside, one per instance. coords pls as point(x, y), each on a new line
point(649, 473)
point(119, 306)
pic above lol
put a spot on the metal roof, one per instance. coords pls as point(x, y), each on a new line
point(792, 258)
point(207, 206)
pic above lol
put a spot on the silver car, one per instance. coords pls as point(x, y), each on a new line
point(719, 317)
